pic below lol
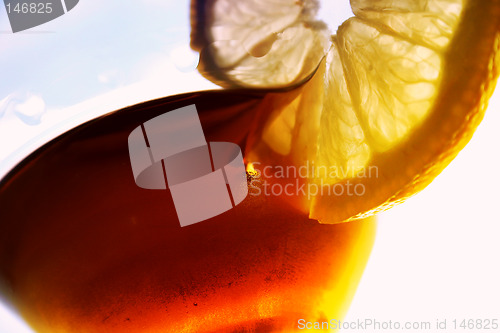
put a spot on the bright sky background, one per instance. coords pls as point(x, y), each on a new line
point(436, 256)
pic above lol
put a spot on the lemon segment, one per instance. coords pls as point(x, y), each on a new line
point(253, 43)
point(427, 23)
point(293, 125)
point(342, 145)
point(391, 81)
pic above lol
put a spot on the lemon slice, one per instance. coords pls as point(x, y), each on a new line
point(254, 43)
point(419, 75)
point(400, 92)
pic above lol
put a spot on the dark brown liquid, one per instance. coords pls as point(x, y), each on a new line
point(83, 249)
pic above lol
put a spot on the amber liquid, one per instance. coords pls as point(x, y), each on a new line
point(83, 249)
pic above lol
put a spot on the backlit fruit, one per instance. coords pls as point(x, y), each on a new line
point(400, 92)
point(258, 44)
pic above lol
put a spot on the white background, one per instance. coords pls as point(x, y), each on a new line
point(435, 257)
